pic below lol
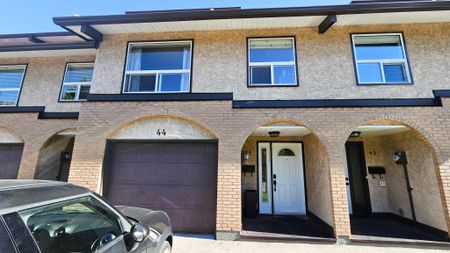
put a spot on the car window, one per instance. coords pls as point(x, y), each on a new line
point(6, 245)
point(80, 225)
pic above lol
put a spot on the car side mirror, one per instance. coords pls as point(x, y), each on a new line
point(137, 234)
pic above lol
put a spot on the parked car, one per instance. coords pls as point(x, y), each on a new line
point(48, 216)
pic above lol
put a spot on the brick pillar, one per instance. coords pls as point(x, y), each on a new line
point(229, 217)
point(341, 215)
point(29, 160)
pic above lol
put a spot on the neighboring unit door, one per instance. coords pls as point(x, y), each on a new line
point(10, 156)
point(178, 178)
point(359, 187)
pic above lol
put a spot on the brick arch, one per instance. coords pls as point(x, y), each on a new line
point(12, 132)
point(187, 120)
point(264, 122)
point(48, 139)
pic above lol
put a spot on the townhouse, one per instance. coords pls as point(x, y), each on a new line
point(331, 119)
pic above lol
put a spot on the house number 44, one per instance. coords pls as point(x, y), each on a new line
point(161, 132)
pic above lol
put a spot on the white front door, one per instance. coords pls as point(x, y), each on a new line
point(281, 179)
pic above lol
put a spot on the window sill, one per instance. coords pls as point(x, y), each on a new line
point(384, 84)
point(272, 85)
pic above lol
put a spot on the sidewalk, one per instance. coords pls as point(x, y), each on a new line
point(196, 245)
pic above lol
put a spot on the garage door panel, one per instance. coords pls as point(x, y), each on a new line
point(10, 156)
point(178, 178)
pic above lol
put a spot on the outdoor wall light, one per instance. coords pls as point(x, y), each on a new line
point(274, 133)
point(355, 134)
point(245, 155)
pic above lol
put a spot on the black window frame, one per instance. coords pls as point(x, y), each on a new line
point(64, 77)
point(247, 59)
point(408, 62)
point(191, 73)
point(21, 84)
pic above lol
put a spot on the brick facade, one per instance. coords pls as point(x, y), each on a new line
point(233, 126)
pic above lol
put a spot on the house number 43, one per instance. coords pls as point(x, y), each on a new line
point(161, 132)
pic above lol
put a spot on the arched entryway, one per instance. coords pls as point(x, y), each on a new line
point(55, 156)
point(11, 148)
point(165, 163)
point(285, 182)
point(392, 187)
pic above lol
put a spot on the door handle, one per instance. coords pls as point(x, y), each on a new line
point(274, 185)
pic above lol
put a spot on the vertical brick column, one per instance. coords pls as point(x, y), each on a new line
point(339, 200)
point(29, 160)
point(444, 171)
point(228, 219)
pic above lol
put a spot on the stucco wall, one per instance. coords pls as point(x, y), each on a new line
point(318, 179)
point(325, 64)
point(43, 79)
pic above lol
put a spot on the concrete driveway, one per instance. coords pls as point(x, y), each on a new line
point(197, 245)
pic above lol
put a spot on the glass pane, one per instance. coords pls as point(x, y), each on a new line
point(284, 74)
point(369, 73)
point(286, 152)
point(72, 226)
point(141, 83)
point(84, 91)
point(260, 75)
point(160, 56)
point(265, 194)
point(271, 50)
point(11, 76)
point(378, 47)
point(8, 97)
point(69, 92)
point(174, 82)
point(78, 73)
point(394, 73)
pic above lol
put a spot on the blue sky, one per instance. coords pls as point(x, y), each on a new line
point(23, 16)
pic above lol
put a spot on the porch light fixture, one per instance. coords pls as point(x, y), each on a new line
point(355, 134)
point(274, 133)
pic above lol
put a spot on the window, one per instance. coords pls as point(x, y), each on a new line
point(380, 59)
point(265, 195)
point(11, 79)
point(158, 67)
point(79, 225)
point(77, 81)
point(286, 152)
point(271, 61)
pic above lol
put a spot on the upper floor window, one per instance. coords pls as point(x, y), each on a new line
point(158, 67)
point(11, 79)
point(381, 59)
point(77, 81)
point(271, 61)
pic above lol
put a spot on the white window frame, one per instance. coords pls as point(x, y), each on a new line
point(24, 66)
point(382, 62)
point(77, 84)
point(157, 73)
point(271, 64)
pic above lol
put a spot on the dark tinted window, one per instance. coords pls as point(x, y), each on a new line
point(6, 245)
point(20, 233)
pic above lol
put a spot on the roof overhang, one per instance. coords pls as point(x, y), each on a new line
point(45, 44)
point(322, 17)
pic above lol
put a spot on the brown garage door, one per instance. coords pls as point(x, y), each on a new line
point(178, 178)
point(10, 155)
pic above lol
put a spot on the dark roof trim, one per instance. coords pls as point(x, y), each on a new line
point(160, 97)
point(186, 15)
point(44, 34)
point(22, 109)
point(43, 46)
point(441, 93)
point(34, 39)
point(327, 23)
point(91, 32)
point(58, 115)
point(401, 102)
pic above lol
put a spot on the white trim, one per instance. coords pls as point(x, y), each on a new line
point(157, 73)
point(382, 62)
point(19, 89)
point(76, 84)
point(272, 65)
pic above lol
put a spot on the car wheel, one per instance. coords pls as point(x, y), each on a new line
point(166, 248)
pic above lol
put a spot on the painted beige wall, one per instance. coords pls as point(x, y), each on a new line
point(6, 136)
point(43, 78)
point(325, 64)
point(394, 196)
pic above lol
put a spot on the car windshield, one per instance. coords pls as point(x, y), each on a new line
point(72, 226)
